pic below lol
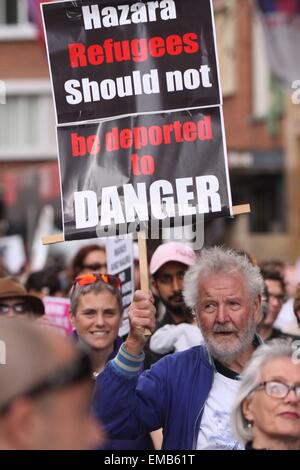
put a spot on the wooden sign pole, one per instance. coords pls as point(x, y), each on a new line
point(144, 274)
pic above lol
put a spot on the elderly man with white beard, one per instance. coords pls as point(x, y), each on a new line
point(189, 394)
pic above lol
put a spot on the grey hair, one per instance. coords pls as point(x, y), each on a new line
point(220, 260)
point(252, 377)
point(96, 287)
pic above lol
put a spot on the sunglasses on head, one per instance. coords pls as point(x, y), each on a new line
point(80, 368)
point(91, 278)
point(94, 266)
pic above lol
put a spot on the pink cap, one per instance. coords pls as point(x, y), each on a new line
point(171, 251)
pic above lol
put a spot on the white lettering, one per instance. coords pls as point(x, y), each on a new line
point(162, 207)
point(207, 190)
point(137, 203)
point(87, 91)
point(111, 208)
point(184, 196)
point(86, 210)
point(95, 17)
point(190, 79)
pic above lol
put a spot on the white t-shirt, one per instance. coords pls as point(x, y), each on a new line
point(215, 431)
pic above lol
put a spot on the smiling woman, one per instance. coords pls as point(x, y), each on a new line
point(266, 414)
point(96, 308)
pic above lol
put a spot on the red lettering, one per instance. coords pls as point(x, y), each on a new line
point(77, 55)
point(93, 144)
point(147, 165)
point(174, 44)
point(189, 131)
point(78, 145)
point(125, 139)
point(191, 43)
point(205, 129)
point(140, 137)
point(157, 47)
point(135, 164)
point(95, 54)
point(112, 140)
point(155, 135)
point(139, 50)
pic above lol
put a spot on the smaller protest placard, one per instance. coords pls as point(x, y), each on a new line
point(57, 314)
point(119, 252)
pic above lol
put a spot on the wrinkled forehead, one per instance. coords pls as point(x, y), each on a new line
point(222, 283)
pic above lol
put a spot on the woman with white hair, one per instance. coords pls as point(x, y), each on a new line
point(266, 412)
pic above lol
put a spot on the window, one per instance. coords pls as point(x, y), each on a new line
point(261, 73)
point(14, 21)
point(27, 124)
point(13, 12)
point(225, 17)
point(265, 193)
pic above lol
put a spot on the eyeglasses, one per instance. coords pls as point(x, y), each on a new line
point(93, 267)
point(278, 389)
point(90, 278)
point(19, 308)
point(279, 297)
point(78, 369)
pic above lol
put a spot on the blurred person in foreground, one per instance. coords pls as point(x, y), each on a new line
point(16, 301)
point(189, 394)
point(45, 391)
point(266, 413)
point(96, 314)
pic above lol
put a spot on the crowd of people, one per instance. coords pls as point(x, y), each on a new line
point(221, 370)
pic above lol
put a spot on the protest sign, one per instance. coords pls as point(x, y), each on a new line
point(116, 174)
point(57, 313)
point(119, 253)
point(117, 58)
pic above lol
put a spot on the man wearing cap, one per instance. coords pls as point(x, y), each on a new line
point(15, 300)
point(168, 266)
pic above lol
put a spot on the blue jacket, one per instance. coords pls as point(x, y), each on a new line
point(141, 442)
point(172, 395)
